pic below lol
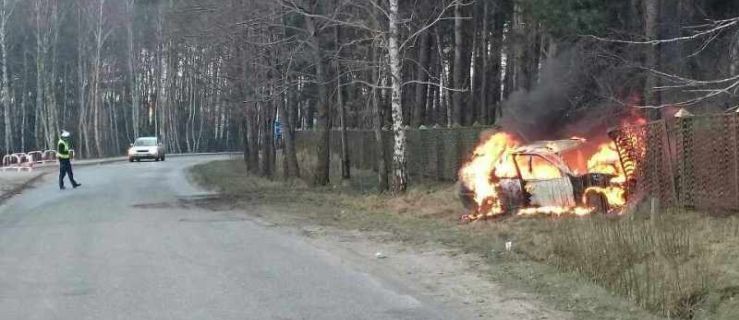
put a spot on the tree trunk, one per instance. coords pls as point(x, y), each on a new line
point(496, 62)
point(268, 141)
point(96, 96)
point(382, 167)
point(458, 69)
point(24, 102)
point(82, 78)
point(734, 56)
point(322, 124)
point(484, 76)
point(670, 18)
point(133, 77)
point(345, 159)
point(400, 176)
point(40, 70)
point(531, 54)
point(5, 13)
point(52, 109)
point(247, 146)
point(472, 112)
point(517, 44)
point(651, 19)
point(288, 136)
point(443, 110)
point(432, 95)
point(252, 140)
point(162, 82)
point(424, 51)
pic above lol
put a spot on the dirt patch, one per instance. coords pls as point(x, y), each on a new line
point(460, 281)
point(449, 277)
point(217, 202)
point(158, 205)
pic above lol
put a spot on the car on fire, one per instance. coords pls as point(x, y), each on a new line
point(535, 178)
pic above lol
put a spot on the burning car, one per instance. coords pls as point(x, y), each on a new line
point(507, 177)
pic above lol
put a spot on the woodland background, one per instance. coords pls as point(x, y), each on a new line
point(213, 75)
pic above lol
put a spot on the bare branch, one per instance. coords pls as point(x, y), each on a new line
point(715, 27)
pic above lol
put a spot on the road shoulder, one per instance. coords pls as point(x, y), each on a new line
point(446, 276)
point(13, 183)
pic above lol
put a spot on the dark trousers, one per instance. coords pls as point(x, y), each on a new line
point(65, 168)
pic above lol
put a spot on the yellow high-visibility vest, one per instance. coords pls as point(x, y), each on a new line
point(63, 155)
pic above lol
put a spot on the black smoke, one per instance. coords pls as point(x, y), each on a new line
point(577, 94)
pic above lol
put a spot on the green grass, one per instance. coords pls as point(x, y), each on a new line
point(680, 264)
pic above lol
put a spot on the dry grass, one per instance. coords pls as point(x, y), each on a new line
point(362, 181)
point(657, 264)
point(681, 265)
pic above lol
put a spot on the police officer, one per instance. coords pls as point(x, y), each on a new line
point(63, 152)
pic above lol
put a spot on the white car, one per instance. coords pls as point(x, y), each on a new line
point(146, 148)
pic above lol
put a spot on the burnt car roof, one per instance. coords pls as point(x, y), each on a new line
point(550, 147)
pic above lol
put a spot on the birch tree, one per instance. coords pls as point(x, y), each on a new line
point(6, 11)
point(133, 76)
point(400, 174)
point(100, 34)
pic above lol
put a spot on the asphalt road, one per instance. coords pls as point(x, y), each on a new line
point(121, 247)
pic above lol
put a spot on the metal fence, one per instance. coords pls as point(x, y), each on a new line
point(689, 162)
point(433, 153)
point(707, 153)
point(648, 162)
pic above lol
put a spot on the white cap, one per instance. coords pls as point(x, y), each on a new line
point(65, 134)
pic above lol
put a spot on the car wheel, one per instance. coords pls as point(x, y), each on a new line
point(130, 159)
point(597, 201)
point(467, 198)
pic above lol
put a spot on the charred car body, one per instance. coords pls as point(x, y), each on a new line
point(535, 178)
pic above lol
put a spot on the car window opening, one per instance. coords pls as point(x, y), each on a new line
point(537, 168)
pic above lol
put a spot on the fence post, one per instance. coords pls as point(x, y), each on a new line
point(735, 148)
point(668, 162)
point(683, 155)
point(441, 153)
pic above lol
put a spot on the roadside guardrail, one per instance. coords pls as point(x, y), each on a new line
point(28, 161)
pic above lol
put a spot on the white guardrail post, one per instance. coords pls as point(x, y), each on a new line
point(36, 157)
point(49, 156)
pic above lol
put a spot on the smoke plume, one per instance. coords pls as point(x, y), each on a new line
point(566, 101)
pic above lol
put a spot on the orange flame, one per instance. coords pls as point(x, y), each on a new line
point(489, 161)
point(606, 161)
